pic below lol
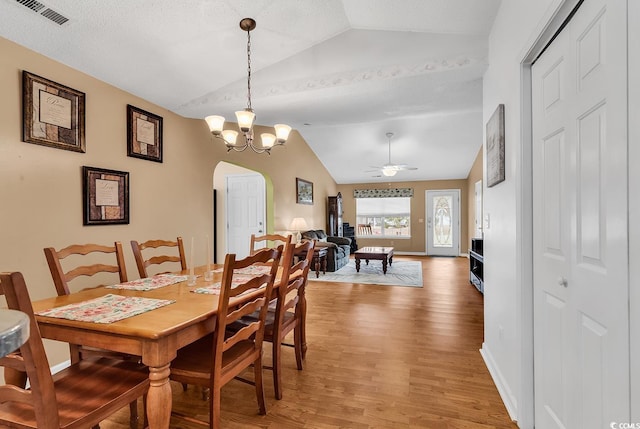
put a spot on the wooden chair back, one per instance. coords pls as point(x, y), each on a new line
point(364, 229)
point(61, 278)
point(259, 242)
point(217, 359)
point(290, 310)
point(78, 397)
point(143, 263)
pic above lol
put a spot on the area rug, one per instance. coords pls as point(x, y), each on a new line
point(401, 273)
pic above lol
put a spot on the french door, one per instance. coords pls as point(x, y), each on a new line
point(443, 222)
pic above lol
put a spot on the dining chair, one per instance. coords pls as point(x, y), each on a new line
point(214, 360)
point(364, 229)
point(153, 258)
point(93, 256)
point(79, 396)
point(86, 252)
point(259, 242)
point(288, 313)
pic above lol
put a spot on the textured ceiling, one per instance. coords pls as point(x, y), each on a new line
point(341, 72)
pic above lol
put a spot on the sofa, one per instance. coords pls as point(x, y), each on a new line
point(338, 248)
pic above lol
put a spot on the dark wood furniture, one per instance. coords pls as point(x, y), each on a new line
point(144, 263)
point(320, 260)
point(79, 396)
point(350, 233)
point(216, 359)
point(334, 216)
point(384, 254)
point(476, 264)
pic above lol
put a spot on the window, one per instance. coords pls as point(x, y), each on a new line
point(388, 217)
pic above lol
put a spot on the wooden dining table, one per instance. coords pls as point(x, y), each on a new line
point(155, 335)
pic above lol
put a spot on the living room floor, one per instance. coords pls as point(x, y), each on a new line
point(378, 357)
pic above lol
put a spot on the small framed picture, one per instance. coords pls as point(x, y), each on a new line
point(304, 191)
point(52, 114)
point(495, 147)
point(105, 196)
point(144, 134)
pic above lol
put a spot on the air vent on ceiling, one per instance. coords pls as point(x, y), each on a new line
point(48, 13)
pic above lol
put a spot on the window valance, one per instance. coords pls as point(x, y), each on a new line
point(383, 193)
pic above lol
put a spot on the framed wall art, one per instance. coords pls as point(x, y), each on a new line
point(304, 191)
point(495, 147)
point(144, 134)
point(52, 114)
point(105, 196)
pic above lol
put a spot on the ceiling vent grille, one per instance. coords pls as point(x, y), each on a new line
point(48, 13)
point(55, 16)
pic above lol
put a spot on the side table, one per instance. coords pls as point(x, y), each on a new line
point(320, 260)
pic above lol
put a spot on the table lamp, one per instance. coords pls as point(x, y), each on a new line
point(298, 224)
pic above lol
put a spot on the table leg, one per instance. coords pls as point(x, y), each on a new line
point(357, 264)
point(324, 264)
point(316, 259)
point(390, 260)
point(159, 399)
point(384, 265)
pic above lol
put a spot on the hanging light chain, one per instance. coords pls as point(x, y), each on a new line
point(249, 70)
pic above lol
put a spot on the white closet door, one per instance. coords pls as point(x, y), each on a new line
point(581, 295)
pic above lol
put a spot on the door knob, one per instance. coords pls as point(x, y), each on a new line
point(562, 282)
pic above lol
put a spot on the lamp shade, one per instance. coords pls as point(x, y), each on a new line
point(299, 224)
point(268, 139)
point(282, 132)
point(245, 119)
point(216, 123)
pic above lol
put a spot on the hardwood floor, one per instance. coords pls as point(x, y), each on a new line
point(379, 357)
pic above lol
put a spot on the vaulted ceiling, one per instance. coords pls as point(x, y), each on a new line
point(341, 72)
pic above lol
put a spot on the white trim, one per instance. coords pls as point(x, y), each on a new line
point(59, 367)
point(509, 400)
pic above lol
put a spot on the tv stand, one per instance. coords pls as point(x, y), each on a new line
point(476, 264)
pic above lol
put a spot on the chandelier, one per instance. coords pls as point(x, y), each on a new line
point(246, 117)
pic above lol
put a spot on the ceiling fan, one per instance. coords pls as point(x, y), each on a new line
point(390, 169)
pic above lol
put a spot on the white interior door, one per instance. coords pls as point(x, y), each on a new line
point(581, 316)
point(246, 213)
point(443, 222)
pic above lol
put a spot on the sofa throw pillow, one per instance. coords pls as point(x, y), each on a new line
point(322, 236)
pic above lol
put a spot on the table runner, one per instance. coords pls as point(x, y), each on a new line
point(150, 283)
point(106, 309)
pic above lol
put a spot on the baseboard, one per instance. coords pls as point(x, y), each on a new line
point(410, 253)
point(60, 366)
point(510, 402)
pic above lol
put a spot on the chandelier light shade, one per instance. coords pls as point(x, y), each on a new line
point(246, 117)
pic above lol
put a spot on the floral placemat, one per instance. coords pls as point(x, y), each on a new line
point(106, 309)
point(214, 288)
point(150, 283)
point(251, 270)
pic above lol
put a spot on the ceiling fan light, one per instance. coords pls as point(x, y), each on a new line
point(282, 132)
point(215, 123)
point(389, 171)
point(245, 119)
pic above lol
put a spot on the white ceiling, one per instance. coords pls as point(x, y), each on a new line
point(341, 72)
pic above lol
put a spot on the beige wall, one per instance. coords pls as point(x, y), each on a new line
point(475, 174)
point(417, 242)
point(41, 191)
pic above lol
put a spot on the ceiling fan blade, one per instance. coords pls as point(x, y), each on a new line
point(405, 167)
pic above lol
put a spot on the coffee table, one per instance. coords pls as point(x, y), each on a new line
point(384, 254)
